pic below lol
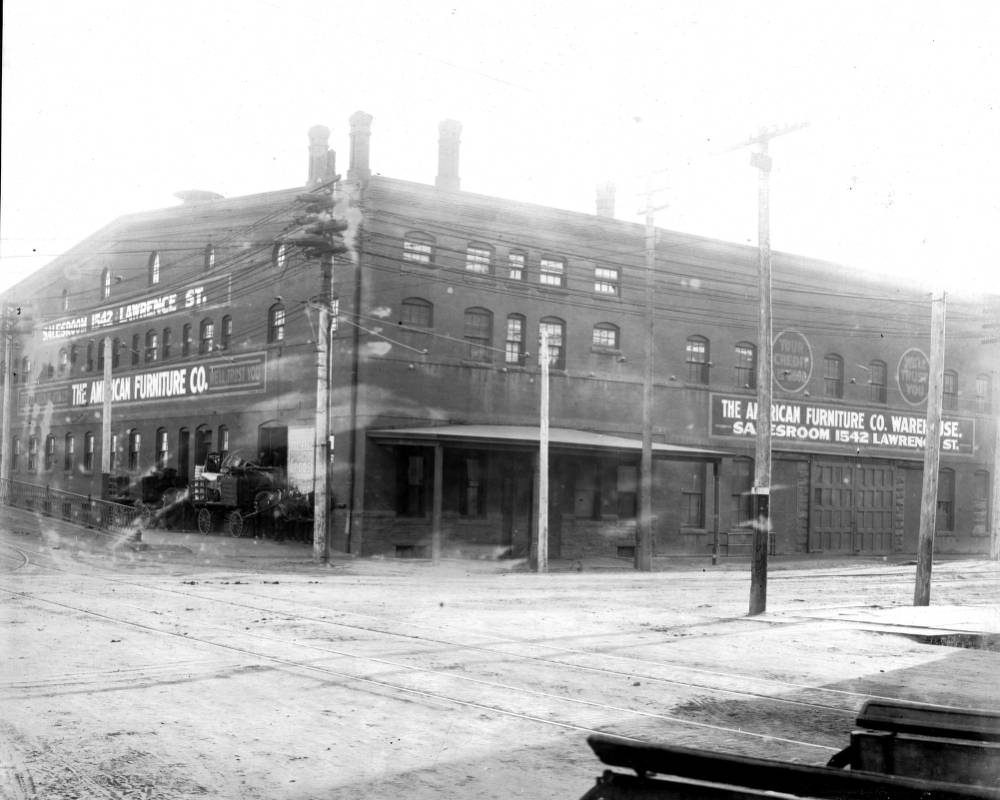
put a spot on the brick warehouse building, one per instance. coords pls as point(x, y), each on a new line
point(434, 378)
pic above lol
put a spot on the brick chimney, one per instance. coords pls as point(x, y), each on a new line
point(606, 200)
point(361, 133)
point(322, 160)
point(449, 132)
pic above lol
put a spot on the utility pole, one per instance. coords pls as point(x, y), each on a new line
point(106, 415)
point(932, 455)
point(644, 530)
point(5, 438)
point(542, 547)
point(762, 461)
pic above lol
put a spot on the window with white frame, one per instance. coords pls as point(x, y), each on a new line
point(983, 400)
point(606, 280)
point(554, 331)
point(877, 373)
point(418, 248)
point(833, 375)
point(696, 355)
point(162, 448)
point(552, 272)
point(154, 268)
point(514, 340)
point(69, 452)
point(745, 354)
point(276, 324)
point(479, 259)
point(479, 334)
point(949, 393)
point(606, 335)
point(515, 265)
point(207, 336)
point(88, 451)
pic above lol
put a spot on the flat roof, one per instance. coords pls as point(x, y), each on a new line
point(528, 435)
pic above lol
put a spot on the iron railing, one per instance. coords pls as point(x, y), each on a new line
point(81, 509)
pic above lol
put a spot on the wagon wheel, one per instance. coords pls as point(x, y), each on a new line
point(235, 523)
point(204, 520)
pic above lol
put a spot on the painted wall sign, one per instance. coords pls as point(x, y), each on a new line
point(793, 421)
point(235, 375)
point(792, 361)
point(194, 297)
point(913, 375)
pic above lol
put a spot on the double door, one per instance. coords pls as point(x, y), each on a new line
point(851, 507)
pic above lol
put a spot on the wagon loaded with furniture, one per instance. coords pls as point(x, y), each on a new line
point(242, 494)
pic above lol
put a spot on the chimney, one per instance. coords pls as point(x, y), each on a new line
point(449, 132)
point(606, 200)
point(361, 133)
point(321, 157)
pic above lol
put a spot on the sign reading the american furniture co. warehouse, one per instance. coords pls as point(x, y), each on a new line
point(813, 424)
point(138, 310)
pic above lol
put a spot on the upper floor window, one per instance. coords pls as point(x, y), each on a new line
point(187, 341)
point(479, 334)
point(207, 336)
point(606, 280)
point(136, 349)
point(418, 248)
point(74, 356)
point(32, 454)
point(90, 356)
point(877, 374)
point(105, 284)
point(50, 451)
point(63, 361)
point(209, 257)
point(416, 312)
point(88, 451)
point(606, 335)
point(696, 355)
point(69, 452)
point(745, 354)
point(515, 265)
point(552, 272)
point(65, 300)
point(514, 340)
point(949, 391)
point(152, 346)
point(983, 400)
point(116, 353)
point(15, 454)
point(479, 259)
point(154, 268)
point(276, 323)
point(226, 335)
point(279, 255)
point(833, 376)
point(162, 448)
point(167, 342)
point(555, 333)
point(100, 355)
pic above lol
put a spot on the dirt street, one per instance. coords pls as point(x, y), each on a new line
point(208, 667)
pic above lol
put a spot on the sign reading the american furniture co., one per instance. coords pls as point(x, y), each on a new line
point(145, 308)
point(239, 374)
point(808, 423)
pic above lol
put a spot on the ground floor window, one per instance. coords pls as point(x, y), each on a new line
point(693, 497)
point(946, 500)
point(412, 482)
point(741, 484)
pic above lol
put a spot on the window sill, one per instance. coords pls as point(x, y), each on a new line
point(605, 350)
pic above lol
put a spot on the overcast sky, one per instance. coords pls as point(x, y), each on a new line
point(110, 107)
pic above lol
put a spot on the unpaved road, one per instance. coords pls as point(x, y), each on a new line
point(188, 670)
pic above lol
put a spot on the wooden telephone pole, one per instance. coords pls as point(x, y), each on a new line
point(932, 456)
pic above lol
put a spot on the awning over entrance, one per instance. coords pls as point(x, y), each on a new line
point(527, 436)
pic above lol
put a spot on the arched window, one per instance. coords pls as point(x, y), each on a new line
point(162, 448)
point(99, 346)
point(984, 404)
point(152, 346)
point(90, 356)
point(479, 258)
point(514, 340)
point(154, 268)
point(223, 442)
point(479, 334)
point(877, 374)
point(949, 392)
point(65, 300)
point(26, 370)
point(209, 257)
point(74, 357)
point(63, 361)
point(418, 248)
point(696, 354)
point(276, 324)
point(88, 451)
point(32, 454)
point(946, 500)
point(186, 341)
point(207, 337)
point(50, 452)
point(113, 454)
point(227, 332)
point(105, 284)
point(136, 349)
point(833, 375)
point(416, 312)
point(606, 335)
point(279, 255)
point(555, 332)
point(167, 343)
point(516, 262)
point(745, 372)
point(202, 444)
point(116, 353)
point(134, 447)
point(15, 454)
point(69, 452)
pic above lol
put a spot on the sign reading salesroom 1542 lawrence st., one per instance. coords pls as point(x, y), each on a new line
point(234, 375)
point(793, 421)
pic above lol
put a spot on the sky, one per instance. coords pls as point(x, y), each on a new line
point(111, 107)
